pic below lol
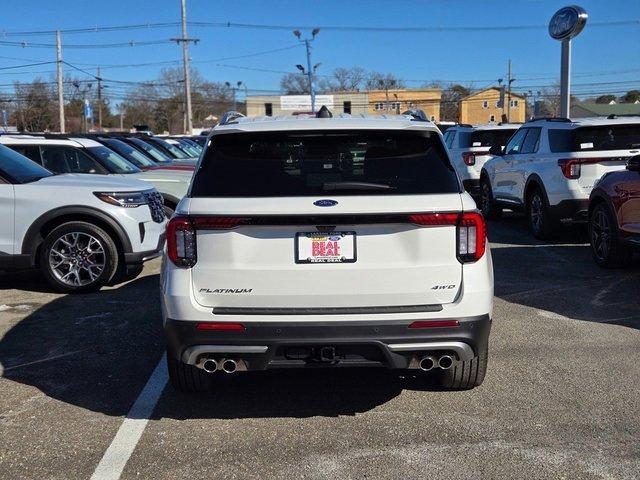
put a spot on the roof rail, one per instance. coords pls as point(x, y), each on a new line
point(613, 116)
point(230, 117)
point(466, 125)
point(550, 119)
point(417, 115)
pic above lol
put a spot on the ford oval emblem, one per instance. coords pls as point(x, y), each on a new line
point(325, 203)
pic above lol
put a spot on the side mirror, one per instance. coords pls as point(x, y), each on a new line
point(496, 151)
point(633, 164)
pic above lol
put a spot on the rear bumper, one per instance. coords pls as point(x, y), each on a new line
point(266, 345)
point(577, 210)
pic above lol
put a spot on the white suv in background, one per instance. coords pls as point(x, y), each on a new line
point(62, 154)
point(326, 242)
point(549, 167)
point(469, 146)
point(81, 231)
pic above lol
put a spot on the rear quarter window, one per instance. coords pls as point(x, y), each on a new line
point(312, 163)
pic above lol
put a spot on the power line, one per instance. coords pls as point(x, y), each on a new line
point(131, 43)
point(405, 29)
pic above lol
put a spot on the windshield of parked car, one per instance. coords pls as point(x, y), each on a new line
point(302, 163)
point(113, 161)
point(127, 151)
point(18, 168)
point(175, 151)
point(151, 150)
point(486, 138)
point(595, 138)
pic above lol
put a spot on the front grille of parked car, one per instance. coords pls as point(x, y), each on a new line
point(156, 205)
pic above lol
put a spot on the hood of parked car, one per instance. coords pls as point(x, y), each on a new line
point(96, 182)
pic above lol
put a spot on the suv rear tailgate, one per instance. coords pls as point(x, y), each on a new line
point(396, 263)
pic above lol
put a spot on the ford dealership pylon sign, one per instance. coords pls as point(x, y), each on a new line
point(567, 22)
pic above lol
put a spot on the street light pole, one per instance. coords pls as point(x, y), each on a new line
point(310, 71)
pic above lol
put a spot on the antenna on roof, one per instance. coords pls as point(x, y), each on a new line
point(417, 114)
point(229, 117)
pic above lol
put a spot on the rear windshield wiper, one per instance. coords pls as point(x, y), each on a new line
point(356, 186)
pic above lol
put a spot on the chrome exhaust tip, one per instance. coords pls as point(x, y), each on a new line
point(210, 365)
point(427, 363)
point(445, 362)
point(229, 366)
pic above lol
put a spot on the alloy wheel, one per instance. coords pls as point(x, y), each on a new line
point(77, 259)
point(600, 234)
point(536, 212)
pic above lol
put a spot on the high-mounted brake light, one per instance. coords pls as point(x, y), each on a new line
point(469, 158)
point(181, 236)
point(471, 231)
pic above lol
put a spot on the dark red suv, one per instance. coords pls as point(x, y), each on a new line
point(614, 216)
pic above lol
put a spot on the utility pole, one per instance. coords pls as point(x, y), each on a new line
point(59, 74)
point(99, 78)
point(509, 92)
point(184, 40)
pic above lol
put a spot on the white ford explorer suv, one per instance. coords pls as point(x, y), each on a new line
point(469, 149)
point(81, 231)
point(326, 242)
point(549, 167)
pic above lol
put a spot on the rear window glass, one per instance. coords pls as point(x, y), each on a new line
point(312, 163)
point(485, 138)
point(590, 139)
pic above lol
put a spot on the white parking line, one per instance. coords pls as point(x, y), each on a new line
point(124, 443)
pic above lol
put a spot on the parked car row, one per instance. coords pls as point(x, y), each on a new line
point(88, 210)
point(557, 170)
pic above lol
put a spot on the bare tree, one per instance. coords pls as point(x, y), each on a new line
point(294, 84)
point(35, 104)
point(383, 81)
point(348, 79)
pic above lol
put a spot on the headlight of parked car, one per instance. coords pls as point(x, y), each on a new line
point(123, 199)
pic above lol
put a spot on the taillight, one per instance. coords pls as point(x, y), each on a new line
point(471, 231)
point(181, 242)
point(472, 237)
point(571, 166)
point(181, 236)
point(469, 158)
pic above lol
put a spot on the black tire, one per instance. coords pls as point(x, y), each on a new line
point(108, 257)
point(490, 210)
point(186, 378)
point(606, 248)
point(541, 223)
point(465, 375)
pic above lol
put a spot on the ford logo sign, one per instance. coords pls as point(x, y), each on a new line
point(567, 22)
point(325, 203)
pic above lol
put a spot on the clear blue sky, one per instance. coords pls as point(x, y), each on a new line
point(466, 57)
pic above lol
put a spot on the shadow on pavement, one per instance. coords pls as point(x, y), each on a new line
point(291, 393)
point(27, 280)
point(96, 351)
point(563, 278)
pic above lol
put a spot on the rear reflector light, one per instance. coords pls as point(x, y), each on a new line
point(435, 324)
point(469, 158)
point(227, 327)
point(471, 231)
point(181, 236)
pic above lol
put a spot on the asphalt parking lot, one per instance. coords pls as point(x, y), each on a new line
point(561, 398)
